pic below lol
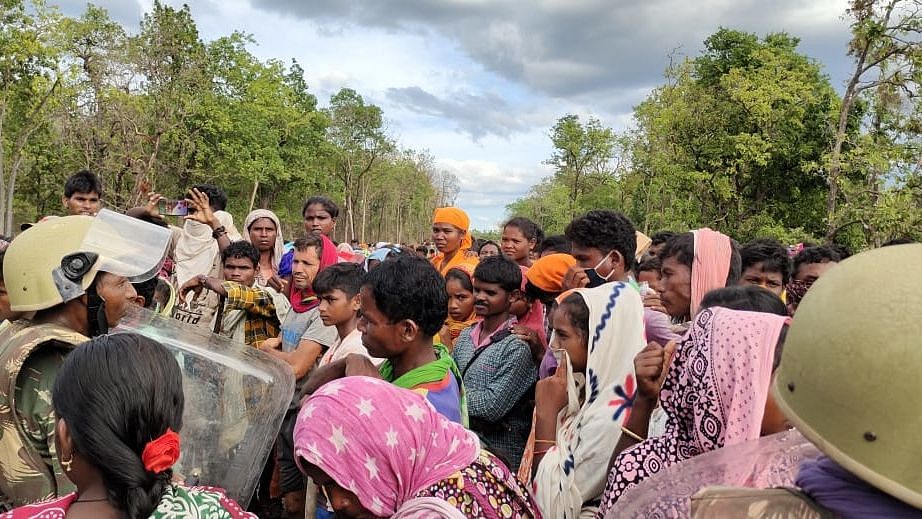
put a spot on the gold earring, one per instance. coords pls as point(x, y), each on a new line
point(67, 463)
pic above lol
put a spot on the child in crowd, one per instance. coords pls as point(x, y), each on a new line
point(251, 314)
point(521, 238)
point(460, 287)
point(809, 265)
point(647, 271)
point(487, 249)
point(303, 339)
point(338, 286)
point(556, 244)
point(531, 321)
point(765, 263)
point(497, 367)
point(403, 306)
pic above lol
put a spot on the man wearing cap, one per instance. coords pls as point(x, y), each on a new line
point(75, 273)
point(452, 236)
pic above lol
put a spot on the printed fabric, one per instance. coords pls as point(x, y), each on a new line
point(261, 321)
point(31, 356)
point(573, 472)
point(714, 395)
point(383, 443)
point(177, 502)
point(438, 381)
point(485, 488)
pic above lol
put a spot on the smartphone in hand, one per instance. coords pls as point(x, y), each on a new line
point(170, 207)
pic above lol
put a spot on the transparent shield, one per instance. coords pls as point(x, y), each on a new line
point(127, 246)
point(767, 462)
point(236, 397)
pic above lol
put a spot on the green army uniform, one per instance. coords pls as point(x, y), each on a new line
point(44, 268)
point(29, 468)
point(754, 503)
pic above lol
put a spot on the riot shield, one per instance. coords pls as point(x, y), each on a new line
point(236, 397)
point(763, 463)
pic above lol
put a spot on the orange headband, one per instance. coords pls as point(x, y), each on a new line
point(458, 218)
point(547, 273)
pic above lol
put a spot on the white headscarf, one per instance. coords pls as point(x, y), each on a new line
point(279, 250)
point(575, 470)
point(196, 248)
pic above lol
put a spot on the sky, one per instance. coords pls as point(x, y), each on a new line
point(480, 83)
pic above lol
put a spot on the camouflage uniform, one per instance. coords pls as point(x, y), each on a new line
point(30, 357)
point(753, 503)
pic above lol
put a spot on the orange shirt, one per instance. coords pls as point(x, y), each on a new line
point(460, 258)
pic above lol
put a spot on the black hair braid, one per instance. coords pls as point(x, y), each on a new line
point(116, 393)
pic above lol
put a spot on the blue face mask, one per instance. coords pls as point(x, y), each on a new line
point(596, 279)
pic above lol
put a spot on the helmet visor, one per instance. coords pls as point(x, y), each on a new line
point(127, 246)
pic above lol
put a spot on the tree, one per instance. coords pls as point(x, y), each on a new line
point(581, 152)
point(729, 141)
point(887, 51)
point(28, 81)
point(357, 141)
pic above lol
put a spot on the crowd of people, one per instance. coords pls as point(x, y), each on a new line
point(541, 376)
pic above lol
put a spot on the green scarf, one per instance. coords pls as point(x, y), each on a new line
point(429, 373)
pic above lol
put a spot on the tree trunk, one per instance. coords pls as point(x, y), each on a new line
point(364, 207)
point(4, 225)
point(253, 195)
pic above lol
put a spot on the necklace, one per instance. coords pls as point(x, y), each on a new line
point(91, 500)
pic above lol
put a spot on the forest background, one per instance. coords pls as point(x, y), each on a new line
point(748, 137)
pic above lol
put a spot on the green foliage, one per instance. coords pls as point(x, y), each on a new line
point(730, 141)
point(162, 109)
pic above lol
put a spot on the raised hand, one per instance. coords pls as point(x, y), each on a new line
point(551, 392)
point(201, 209)
point(650, 367)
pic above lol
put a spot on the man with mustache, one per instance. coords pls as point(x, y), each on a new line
point(496, 366)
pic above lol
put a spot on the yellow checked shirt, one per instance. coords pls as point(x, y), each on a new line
point(262, 321)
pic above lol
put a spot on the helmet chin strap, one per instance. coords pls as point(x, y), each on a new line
point(96, 312)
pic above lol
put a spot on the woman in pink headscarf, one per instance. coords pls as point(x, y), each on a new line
point(377, 450)
point(693, 264)
point(715, 394)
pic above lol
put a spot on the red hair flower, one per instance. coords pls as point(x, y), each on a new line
point(162, 453)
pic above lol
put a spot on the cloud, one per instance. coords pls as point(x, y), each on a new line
point(487, 187)
point(127, 12)
point(474, 114)
point(565, 48)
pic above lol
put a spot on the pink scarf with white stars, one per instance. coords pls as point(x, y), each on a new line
point(383, 443)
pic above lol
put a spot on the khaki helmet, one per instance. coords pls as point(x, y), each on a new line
point(850, 369)
point(56, 261)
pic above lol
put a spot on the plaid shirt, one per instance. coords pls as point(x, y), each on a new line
point(494, 383)
point(262, 321)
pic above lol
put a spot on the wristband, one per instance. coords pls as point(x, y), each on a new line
point(217, 233)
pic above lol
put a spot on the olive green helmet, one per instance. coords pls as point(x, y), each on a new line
point(851, 370)
point(56, 260)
